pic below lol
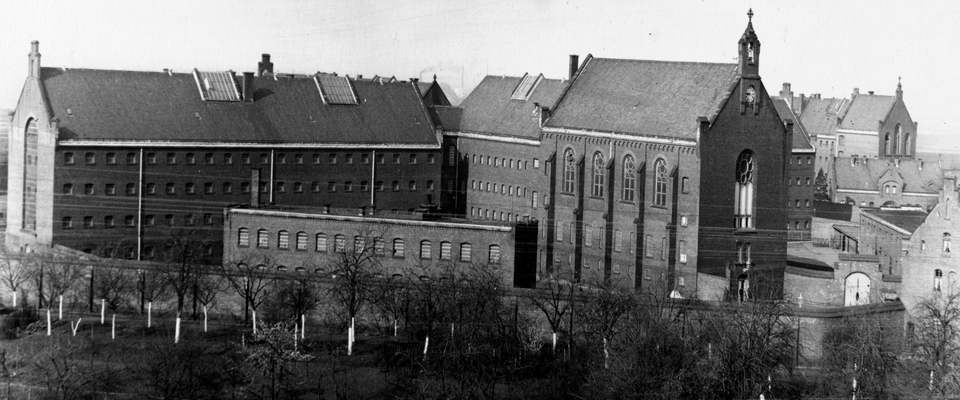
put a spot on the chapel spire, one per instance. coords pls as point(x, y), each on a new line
point(749, 49)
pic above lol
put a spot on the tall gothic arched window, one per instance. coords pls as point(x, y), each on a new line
point(569, 171)
point(906, 144)
point(897, 140)
point(30, 176)
point(744, 194)
point(886, 144)
point(660, 191)
point(599, 175)
point(629, 178)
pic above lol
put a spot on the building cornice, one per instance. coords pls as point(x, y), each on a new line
point(622, 136)
point(858, 132)
point(492, 138)
point(211, 144)
point(376, 220)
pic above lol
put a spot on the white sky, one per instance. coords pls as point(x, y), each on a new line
point(826, 47)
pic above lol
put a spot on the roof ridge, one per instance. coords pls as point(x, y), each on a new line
point(666, 61)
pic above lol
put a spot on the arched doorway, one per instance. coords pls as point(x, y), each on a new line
point(857, 289)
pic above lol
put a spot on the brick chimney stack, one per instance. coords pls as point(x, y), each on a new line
point(574, 65)
point(787, 94)
point(248, 87)
point(265, 66)
point(34, 59)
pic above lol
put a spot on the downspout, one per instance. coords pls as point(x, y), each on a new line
point(270, 189)
point(373, 177)
point(140, 209)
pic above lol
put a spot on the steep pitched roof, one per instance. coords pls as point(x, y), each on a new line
point(801, 140)
point(866, 111)
point(153, 106)
point(819, 116)
point(640, 97)
point(489, 109)
point(866, 176)
point(908, 220)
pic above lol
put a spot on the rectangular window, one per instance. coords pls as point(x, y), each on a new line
point(445, 248)
point(88, 189)
point(264, 159)
point(110, 189)
point(316, 159)
point(618, 241)
point(245, 158)
point(633, 242)
point(348, 159)
point(151, 188)
point(131, 158)
point(281, 158)
point(331, 187)
point(227, 158)
point(332, 159)
point(90, 158)
point(152, 158)
point(68, 158)
point(171, 158)
point(663, 248)
point(111, 158)
point(208, 188)
point(682, 250)
point(649, 246)
point(587, 235)
point(108, 222)
point(191, 158)
point(208, 158)
point(364, 159)
point(559, 231)
point(413, 159)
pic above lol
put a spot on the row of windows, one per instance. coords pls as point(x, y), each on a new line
point(800, 160)
point(898, 144)
point(790, 183)
point(149, 252)
point(110, 158)
point(629, 178)
point(110, 189)
point(486, 213)
point(129, 221)
point(796, 203)
point(946, 243)
point(796, 225)
point(321, 244)
point(504, 162)
point(498, 187)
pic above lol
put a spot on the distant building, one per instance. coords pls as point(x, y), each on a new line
point(801, 174)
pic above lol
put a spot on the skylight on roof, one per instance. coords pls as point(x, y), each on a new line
point(525, 88)
point(335, 89)
point(216, 86)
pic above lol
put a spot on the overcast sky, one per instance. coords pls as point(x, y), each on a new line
point(826, 47)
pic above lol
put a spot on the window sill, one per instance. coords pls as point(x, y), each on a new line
point(745, 231)
point(628, 202)
point(658, 206)
point(398, 257)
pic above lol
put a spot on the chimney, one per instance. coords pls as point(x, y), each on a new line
point(787, 95)
point(870, 93)
point(544, 114)
point(34, 60)
point(248, 87)
point(574, 65)
point(265, 65)
point(803, 98)
point(856, 91)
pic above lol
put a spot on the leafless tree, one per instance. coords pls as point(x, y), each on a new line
point(354, 265)
point(183, 259)
point(152, 284)
point(14, 272)
point(61, 370)
point(60, 274)
point(210, 283)
point(936, 341)
point(297, 294)
point(111, 284)
point(554, 299)
point(252, 279)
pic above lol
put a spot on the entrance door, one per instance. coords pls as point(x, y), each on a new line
point(857, 289)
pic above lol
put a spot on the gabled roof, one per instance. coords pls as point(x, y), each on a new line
point(489, 109)
point(819, 116)
point(154, 106)
point(447, 117)
point(908, 220)
point(866, 176)
point(866, 111)
point(640, 97)
point(801, 140)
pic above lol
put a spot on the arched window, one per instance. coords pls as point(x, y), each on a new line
point(897, 140)
point(339, 243)
point(466, 252)
point(946, 242)
point(599, 175)
point(886, 144)
point(569, 171)
point(660, 191)
point(857, 289)
point(30, 175)
point(263, 241)
point(494, 254)
point(243, 237)
point(907, 150)
point(629, 178)
point(321, 242)
point(301, 241)
point(359, 244)
point(744, 194)
point(398, 247)
point(937, 280)
point(445, 250)
point(283, 240)
point(425, 249)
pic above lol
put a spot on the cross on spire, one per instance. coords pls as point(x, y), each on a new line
point(750, 15)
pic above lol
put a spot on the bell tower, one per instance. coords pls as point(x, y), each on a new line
point(749, 50)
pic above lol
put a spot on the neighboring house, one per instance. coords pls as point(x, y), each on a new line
point(315, 242)
point(119, 162)
point(801, 175)
point(872, 182)
point(929, 261)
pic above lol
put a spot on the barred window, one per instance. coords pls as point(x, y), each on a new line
point(379, 247)
point(321, 242)
point(445, 248)
point(359, 244)
point(243, 237)
point(466, 252)
point(425, 249)
point(494, 254)
point(398, 248)
point(283, 240)
point(263, 241)
point(339, 243)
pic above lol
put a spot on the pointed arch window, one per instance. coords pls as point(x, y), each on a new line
point(906, 145)
point(569, 171)
point(946, 242)
point(629, 178)
point(897, 140)
point(744, 193)
point(886, 144)
point(937, 280)
point(599, 175)
point(660, 191)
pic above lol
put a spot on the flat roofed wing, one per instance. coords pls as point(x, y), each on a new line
point(216, 86)
point(335, 89)
point(525, 88)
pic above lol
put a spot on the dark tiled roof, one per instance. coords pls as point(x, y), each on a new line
point(908, 220)
point(834, 211)
point(489, 109)
point(638, 97)
point(819, 116)
point(447, 117)
point(866, 111)
point(866, 176)
point(801, 140)
point(154, 106)
point(849, 230)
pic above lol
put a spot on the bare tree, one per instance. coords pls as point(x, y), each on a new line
point(152, 284)
point(60, 274)
point(210, 283)
point(111, 284)
point(936, 341)
point(251, 279)
point(297, 294)
point(182, 259)
point(354, 267)
point(14, 272)
point(554, 299)
point(62, 370)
